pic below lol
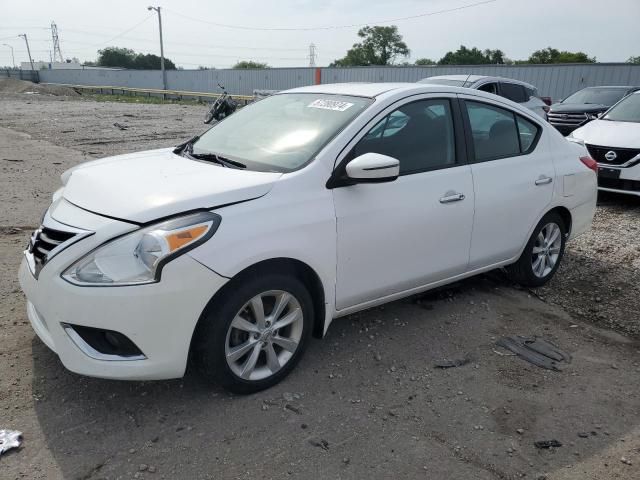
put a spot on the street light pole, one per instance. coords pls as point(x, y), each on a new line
point(164, 74)
point(13, 58)
point(24, 35)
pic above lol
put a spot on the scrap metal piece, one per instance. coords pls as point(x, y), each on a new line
point(535, 350)
point(9, 439)
point(446, 363)
point(547, 443)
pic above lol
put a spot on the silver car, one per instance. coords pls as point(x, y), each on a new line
point(520, 92)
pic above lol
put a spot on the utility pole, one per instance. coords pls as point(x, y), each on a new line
point(13, 58)
point(24, 35)
point(164, 74)
point(312, 55)
point(57, 53)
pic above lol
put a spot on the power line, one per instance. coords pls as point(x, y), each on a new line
point(123, 33)
point(332, 27)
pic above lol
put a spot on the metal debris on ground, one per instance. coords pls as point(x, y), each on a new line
point(535, 350)
point(9, 439)
point(547, 444)
point(120, 126)
point(446, 363)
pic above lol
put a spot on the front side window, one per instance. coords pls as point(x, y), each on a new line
point(282, 132)
point(499, 133)
point(513, 92)
point(420, 135)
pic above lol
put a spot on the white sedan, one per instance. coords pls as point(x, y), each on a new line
point(614, 142)
point(236, 247)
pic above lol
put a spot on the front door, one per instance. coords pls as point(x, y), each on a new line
point(395, 236)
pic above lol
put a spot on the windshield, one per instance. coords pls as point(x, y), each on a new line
point(445, 81)
point(599, 96)
point(282, 132)
point(628, 110)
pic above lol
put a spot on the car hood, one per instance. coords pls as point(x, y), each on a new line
point(145, 186)
point(577, 107)
point(607, 133)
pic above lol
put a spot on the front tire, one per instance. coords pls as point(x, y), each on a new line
point(543, 253)
point(251, 337)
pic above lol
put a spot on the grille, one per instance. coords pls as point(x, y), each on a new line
point(623, 155)
point(44, 241)
point(619, 184)
point(567, 118)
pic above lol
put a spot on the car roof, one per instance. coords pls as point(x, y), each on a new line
point(476, 78)
point(359, 89)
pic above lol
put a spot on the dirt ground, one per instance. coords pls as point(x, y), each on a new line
point(366, 401)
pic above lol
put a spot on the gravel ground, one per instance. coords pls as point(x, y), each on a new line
point(364, 402)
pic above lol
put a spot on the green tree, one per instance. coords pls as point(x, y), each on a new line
point(116, 57)
point(127, 58)
point(553, 55)
point(250, 64)
point(472, 56)
point(379, 46)
point(424, 61)
point(634, 60)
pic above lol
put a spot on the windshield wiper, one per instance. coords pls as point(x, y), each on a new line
point(219, 159)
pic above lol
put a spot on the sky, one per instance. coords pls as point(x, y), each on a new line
point(218, 34)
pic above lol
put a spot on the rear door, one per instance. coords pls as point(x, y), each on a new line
point(513, 177)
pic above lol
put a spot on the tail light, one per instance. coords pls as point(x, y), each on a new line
point(546, 108)
point(590, 163)
point(546, 100)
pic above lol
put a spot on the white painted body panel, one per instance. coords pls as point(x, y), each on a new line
point(368, 244)
point(149, 185)
point(609, 133)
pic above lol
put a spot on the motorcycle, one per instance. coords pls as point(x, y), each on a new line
point(223, 106)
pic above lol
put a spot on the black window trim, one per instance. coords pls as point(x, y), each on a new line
point(471, 152)
point(339, 175)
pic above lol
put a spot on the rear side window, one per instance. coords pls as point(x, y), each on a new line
point(513, 92)
point(499, 133)
point(489, 88)
point(530, 92)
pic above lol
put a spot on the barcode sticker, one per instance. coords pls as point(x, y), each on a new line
point(330, 105)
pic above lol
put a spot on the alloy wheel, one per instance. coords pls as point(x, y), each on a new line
point(546, 250)
point(264, 335)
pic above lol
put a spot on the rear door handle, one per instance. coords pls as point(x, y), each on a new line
point(544, 180)
point(452, 197)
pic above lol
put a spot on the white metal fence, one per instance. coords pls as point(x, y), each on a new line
point(555, 81)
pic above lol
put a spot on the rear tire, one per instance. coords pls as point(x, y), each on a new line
point(542, 254)
point(252, 337)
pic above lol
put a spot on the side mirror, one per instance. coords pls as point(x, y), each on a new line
point(373, 168)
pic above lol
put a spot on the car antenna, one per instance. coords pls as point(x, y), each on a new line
point(466, 80)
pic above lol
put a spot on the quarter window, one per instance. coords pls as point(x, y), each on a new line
point(499, 133)
point(419, 134)
point(528, 132)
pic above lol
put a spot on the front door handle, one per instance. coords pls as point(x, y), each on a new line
point(544, 180)
point(452, 197)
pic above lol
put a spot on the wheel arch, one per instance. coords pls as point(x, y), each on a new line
point(301, 270)
point(565, 214)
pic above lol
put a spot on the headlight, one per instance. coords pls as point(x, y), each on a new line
point(592, 116)
point(138, 257)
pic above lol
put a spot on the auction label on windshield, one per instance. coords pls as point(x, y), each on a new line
point(330, 105)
